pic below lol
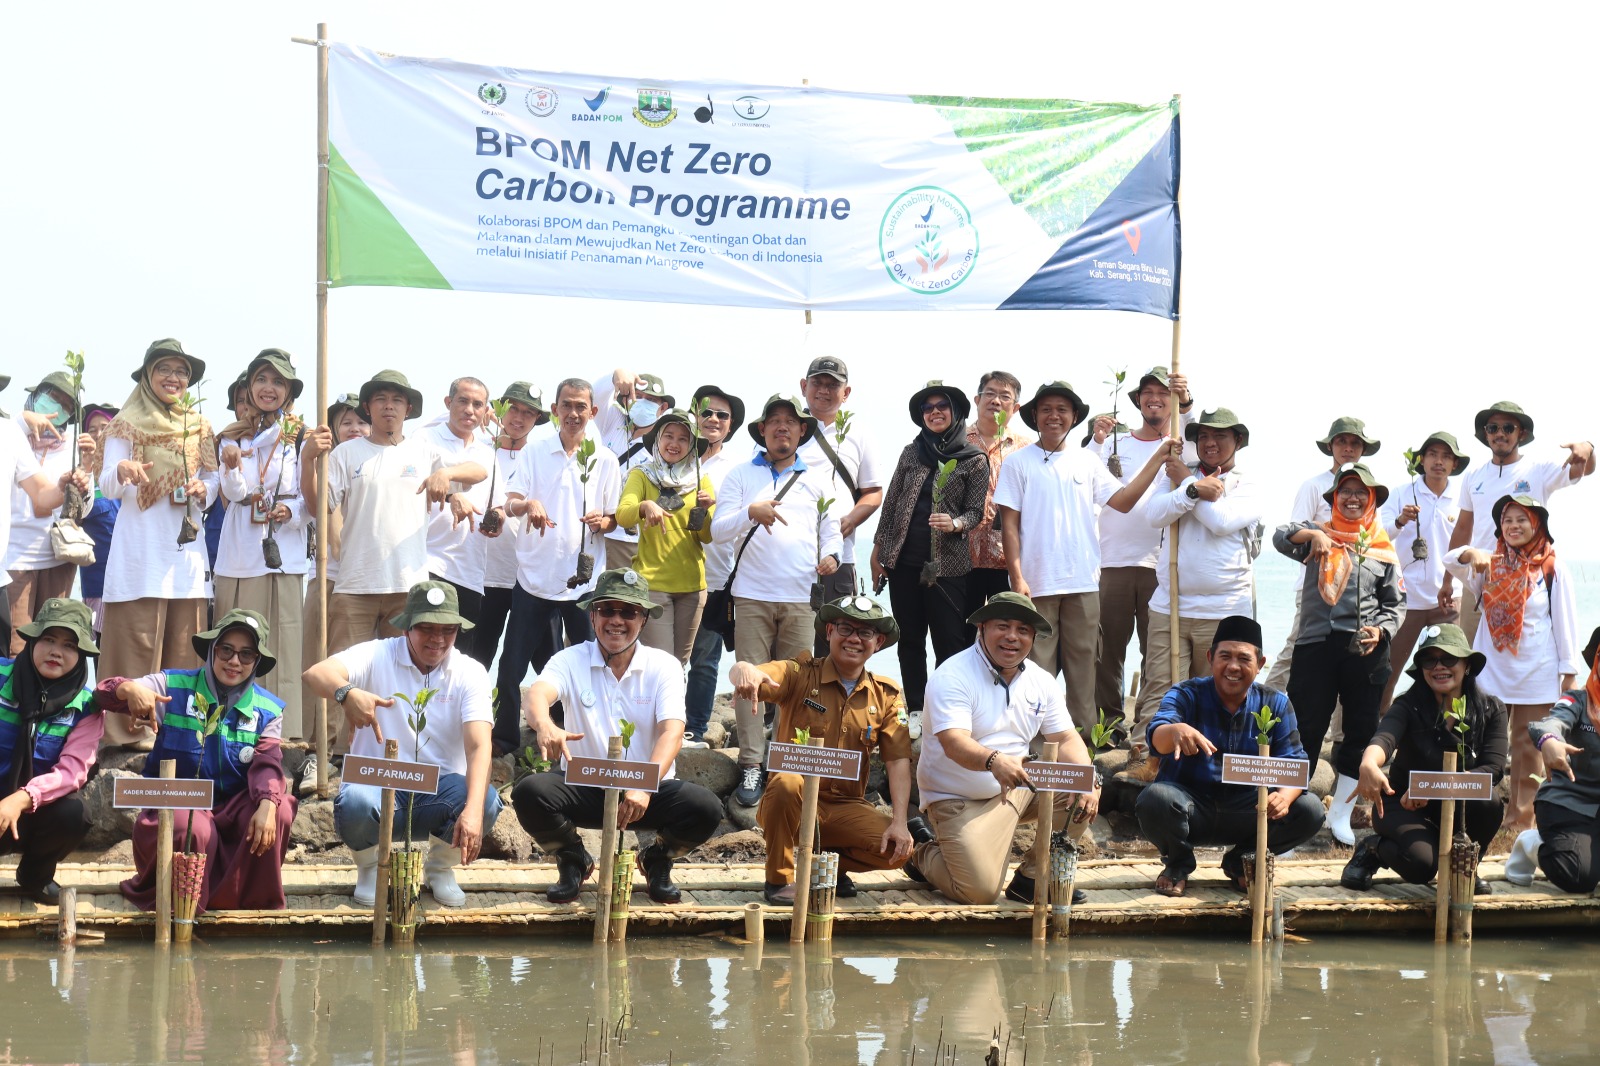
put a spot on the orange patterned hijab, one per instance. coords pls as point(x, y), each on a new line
point(1513, 575)
point(1364, 536)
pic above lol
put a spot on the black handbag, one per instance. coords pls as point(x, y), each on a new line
point(717, 614)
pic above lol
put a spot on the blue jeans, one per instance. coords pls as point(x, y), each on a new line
point(357, 808)
point(701, 691)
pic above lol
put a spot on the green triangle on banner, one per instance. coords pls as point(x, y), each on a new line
point(366, 243)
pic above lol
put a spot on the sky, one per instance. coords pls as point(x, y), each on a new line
point(1361, 233)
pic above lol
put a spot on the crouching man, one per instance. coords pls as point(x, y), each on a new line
point(455, 736)
point(1200, 720)
point(603, 684)
point(983, 708)
point(838, 700)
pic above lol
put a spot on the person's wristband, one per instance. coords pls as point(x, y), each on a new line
point(1539, 745)
point(987, 763)
point(1184, 406)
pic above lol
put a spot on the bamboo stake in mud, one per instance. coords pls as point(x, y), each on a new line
point(169, 769)
point(802, 853)
point(754, 923)
point(380, 896)
point(67, 918)
point(608, 841)
point(1259, 903)
point(1046, 803)
point(1447, 826)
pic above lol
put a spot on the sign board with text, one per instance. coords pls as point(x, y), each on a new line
point(162, 792)
point(1438, 785)
point(397, 774)
point(614, 773)
point(810, 761)
point(1061, 776)
point(1265, 770)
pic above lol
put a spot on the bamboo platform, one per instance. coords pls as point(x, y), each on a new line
point(508, 898)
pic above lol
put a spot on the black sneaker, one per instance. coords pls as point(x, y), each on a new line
point(1363, 865)
point(910, 870)
point(920, 830)
point(846, 888)
point(748, 792)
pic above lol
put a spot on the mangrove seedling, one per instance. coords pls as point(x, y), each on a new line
point(1419, 547)
point(1114, 464)
point(823, 503)
point(802, 736)
point(189, 530)
point(585, 460)
point(697, 514)
point(489, 522)
point(841, 426)
point(941, 477)
point(75, 506)
point(417, 719)
point(626, 730)
point(1456, 722)
point(1000, 420)
point(210, 713)
point(1103, 734)
point(1265, 720)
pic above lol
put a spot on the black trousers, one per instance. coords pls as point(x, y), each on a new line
point(492, 618)
point(983, 582)
point(49, 835)
point(1570, 854)
point(533, 635)
point(842, 582)
point(1176, 820)
point(922, 610)
point(1326, 673)
point(1408, 841)
point(684, 815)
point(470, 603)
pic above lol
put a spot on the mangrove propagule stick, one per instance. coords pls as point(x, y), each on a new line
point(802, 854)
point(1046, 805)
point(1258, 891)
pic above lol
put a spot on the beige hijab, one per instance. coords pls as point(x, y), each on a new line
point(177, 443)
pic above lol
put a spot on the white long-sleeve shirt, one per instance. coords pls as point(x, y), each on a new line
point(29, 548)
point(1436, 521)
point(780, 564)
point(1550, 644)
point(545, 472)
point(145, 560)
point(1215, 575)
point(456, 552)
point(239, 549)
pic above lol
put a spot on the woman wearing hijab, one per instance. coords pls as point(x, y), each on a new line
point(1351, 606)
point(49, 733)
point(1420, 726)
point(261, 559)
point(161, 462)
point(921, 547)
point(658, 497)
point(246, 832)
point(1567, 806)
point(1527, 629)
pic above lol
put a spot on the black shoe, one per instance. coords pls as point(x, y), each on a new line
point(1480, 887)
point(1020, 888)
point(845, 888)
point(1233, 868)
point(920, 830)
point(783, 895)
point(1363, 865)
point(657, 867)
point(572, 870)
point(48, 893)
point(911, 871)
point(751, 782)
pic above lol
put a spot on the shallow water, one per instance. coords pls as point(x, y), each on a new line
point(714, 1000)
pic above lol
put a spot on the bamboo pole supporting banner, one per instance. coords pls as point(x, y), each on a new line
point(169, 769)
point(1447, 825)
point(1176, 431)
point(1259, 902)
point(608, 842)
point(1046, 804)
point(321, 712)
point(802, 854)
point(380, 898)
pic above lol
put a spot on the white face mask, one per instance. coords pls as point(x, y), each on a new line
point(644, 413)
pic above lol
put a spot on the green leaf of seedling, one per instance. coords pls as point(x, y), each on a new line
point(1265, 720)
point(1103, 733)
point(823, 503)
point(626, 731)
point(802, 736)
point(841, 425)
point(1000, 420)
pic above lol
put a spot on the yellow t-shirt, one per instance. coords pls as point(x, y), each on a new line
point(670, 557)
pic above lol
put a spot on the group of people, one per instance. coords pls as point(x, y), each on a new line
point(618, 544)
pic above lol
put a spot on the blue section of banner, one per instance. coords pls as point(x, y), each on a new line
point(1126, 255)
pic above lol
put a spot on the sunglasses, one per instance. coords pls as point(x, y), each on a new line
point(720, 416)
point(625, 611)
point(935, 405)
point(1502, 427)
point(1437, 660)
point(245, 656)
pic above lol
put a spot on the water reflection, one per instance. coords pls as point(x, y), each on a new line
point(714, 1000)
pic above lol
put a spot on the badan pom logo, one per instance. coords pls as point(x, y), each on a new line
point(655, 108)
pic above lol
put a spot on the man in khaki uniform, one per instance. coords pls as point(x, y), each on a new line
point(838, 700)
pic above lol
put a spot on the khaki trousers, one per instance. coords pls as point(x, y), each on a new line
point(765, 632)
point(355, 618)
point(279, 599)
point(1070, 649)
point(620, 553)
point(1194, 641)
point(1125, 593)
point(30, 588)
point(967, 863)
point(1471, 612)
point(852, 827)
point(675, 630)
point(142, 637)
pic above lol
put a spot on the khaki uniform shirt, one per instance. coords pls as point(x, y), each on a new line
point(811, 696)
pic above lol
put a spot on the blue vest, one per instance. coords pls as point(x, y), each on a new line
point(48, 736)
point(183, 726)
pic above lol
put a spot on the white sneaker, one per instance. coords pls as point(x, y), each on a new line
point(440, 873)
point(914, 724)
point(307, 782)
point(691, 741)
point(366, 892)
point(1524, 858)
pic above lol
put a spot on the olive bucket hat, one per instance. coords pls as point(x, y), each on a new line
point(391, 379)
point(1527, 503)
point(1055, 388)
point(1451, 640)
point(622, 586)
point(1156, 375)
point(674, 417)
point(1221, 418)
point(651, 385)
point(735, 405)
point(522, 392)
point(1360, 472)
point(238, 618)
point(1503, 407)
point(163, 348)
point(61, 381)
point(283, 363)
point(58, 613)
point(859, 609)
point(1439, 436)
point(1014, 606)
point(1356, 428)
point(808, 425)
point(433, 602)
point(345, 401)
point(960, 406)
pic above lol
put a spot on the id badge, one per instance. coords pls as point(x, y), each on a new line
point(180, 495)
point(259, 510)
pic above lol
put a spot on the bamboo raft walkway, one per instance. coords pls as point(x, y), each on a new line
point(508, 898)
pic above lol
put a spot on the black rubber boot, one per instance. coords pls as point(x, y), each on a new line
point(1021, 890)
point(574, 864)
point(656, 864)
point(1363, 865)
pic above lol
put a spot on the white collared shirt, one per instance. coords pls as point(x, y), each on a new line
point(239, 548)
point(457, 552)
point(780, 564)
point(859, 456)
point(719, 554)
point(29, 546)
point(1435, 522)
point(384, 667)
point(1484, 484)
point(500, 560)
point(1127, 539)
point(545, 472)
point(595, 701)
point(1215, 565)
point(1055, 495)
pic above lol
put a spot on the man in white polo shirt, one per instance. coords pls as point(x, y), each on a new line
point(982, 710)
point(424, 664)
point(604, 683)
point(456, 554)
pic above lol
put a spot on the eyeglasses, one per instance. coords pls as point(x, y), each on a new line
point(721, 416)
point(1432, 661)
point(935, 405)
point(990, 394)
point(625, 611)
point(1502, 427)
point(846, 630)
point(179, 372)
point(246, 656)
point(1356, 492)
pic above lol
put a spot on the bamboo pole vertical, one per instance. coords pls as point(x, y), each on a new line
point(1259, 903)
point(1177, 432)
point(802, 854)
point(67, 917)
point(321, 591)
point(1447, 823)
point(169, 769)
point(380, 896)
point(608, 841)
point(1043, 827)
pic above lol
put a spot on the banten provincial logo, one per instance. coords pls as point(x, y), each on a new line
point(492, 93)
point(542, 101)
point(655, 108)
point(927, 240)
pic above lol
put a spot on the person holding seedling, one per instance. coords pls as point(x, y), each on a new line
point(718, 414)
point(1527, 629)
point(456, 554)
point(1047, 499)
point(613, 685)
point(837, 699)
point(935, 496)
point(50, 728)
point(1566, 841)
point(218, 723)
point(1200, 720)
point(261, 559)
point(629, 405)
point(775, 513)
point(100, 521)
point(1444, 710)
point(160, 461)
point(985, 706)
point(997, 430)
point(437, 706)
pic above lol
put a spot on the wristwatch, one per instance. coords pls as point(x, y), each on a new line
point(340, 693)
point(1193, 491)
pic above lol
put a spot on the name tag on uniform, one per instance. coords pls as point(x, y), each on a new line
point(815, 706)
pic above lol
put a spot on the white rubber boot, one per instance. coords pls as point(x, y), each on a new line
point(1339, 810)
point(440, 873)
point(366, 877)
point(1524, 858)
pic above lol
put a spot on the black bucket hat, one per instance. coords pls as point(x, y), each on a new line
point(283, 363)
point(1451, 640)
point(1014, 606)
point(1439, 436)
point(1356, 428)
point(160, 350)
point(808, 424)
point(391, 379)
point(1527, 503)
point(1054, 388)
point(1221, 418)
point(735, 405)
point(239, 618)
point(675, 417)
point(1360, 472)
point(1591, 649)
point(240, 382)
point(960, 406)
point(1503, 407)
point(522, 392)
point(855, 608)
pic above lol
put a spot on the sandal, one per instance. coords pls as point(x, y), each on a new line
point(1171, 883)
point(1234, 869)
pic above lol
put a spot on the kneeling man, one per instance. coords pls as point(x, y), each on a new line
point(983, 708)
point(456, 737)
point(1200, 720)
point(835, 698)
point(601, 684)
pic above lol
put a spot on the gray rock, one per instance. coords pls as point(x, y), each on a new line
point(741, 816)
point(313, 825)
point(107, 824)
point(122, 759)
point(1111, 762)
point(716, 734)
point(508, 840)
point(1322, 781)
point(708, 768)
